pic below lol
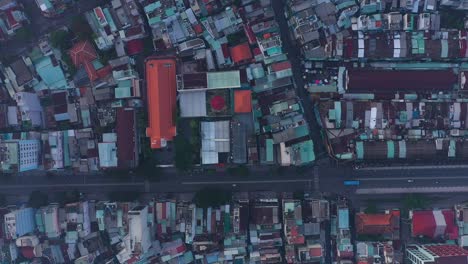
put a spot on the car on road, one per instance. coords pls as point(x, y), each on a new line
point(352, 183)
point(410, 181)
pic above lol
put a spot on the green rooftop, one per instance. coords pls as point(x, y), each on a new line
point(269, 150)
point(227, 79)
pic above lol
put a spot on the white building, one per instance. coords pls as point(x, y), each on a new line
point(19, 155)
point(30, 108)
point(139, 230)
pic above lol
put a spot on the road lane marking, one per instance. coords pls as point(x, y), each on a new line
point(23, 186)
point(428, 167)
point(415, 178)
point(395, 190)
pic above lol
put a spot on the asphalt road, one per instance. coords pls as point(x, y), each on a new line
point(329, 180)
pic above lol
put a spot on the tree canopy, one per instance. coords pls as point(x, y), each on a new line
point(212, 197)
point(38, 199)
point(60, 39)
point(240, 170)
point(183, 153)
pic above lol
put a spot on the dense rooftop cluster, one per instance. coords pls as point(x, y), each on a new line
point(71, 97)
point(389, 76)
point(253, 228)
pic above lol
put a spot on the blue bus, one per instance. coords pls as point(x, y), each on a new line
point(351, 183)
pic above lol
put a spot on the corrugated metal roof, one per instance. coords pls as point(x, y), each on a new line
point(192, 104)
point(343, 218)
point(227, 79)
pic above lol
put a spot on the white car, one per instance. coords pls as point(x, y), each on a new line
point(410, 181)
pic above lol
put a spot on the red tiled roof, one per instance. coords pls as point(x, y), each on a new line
point(241, 53)
point(280, 66)
point(104, 72)
point(83, 54)
point(373, 223)
point(447, 250)
point(243, 101)
point(315, 252)
point(198, 28)
point(134, 46)
point(161, 81)
point(126, 138)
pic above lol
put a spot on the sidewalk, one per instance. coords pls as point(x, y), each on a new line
point(432, 190)
point(422, 167)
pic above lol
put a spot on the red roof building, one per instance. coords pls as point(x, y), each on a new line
point(281, 66)
point(134, 46)
point(241, 53)
point(127, 151)
point(387, 225)
point(83, 54)
point(436, 254)
point(392, 81)
point(433, 224)
point(161, 86)
point(242, 101)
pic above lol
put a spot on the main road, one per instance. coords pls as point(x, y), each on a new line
point(323, 179)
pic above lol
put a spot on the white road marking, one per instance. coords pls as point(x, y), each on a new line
point(22, 186)
point(415, 178)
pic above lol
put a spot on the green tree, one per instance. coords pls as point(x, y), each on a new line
point(148, 48)
point(183, 153)
point(67, 197)
point(240, 170)
point(38, 199)
point(194, 124)
point(60, 39)
point(81, 28)
point(371, 207)
point(68, 61)
point(298, 195)
point(24, 34)
point(415, 201)
point(107, 55)
point(212, 197)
